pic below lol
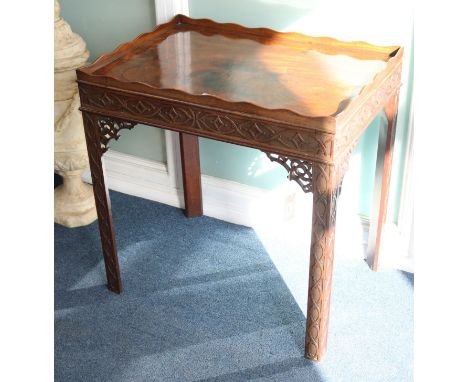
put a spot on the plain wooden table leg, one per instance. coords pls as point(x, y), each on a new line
point(382, 183)
point(321, 260)
point(103, 207)
point(191, 174)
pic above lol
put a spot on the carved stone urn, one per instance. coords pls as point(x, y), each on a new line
point(73, 200)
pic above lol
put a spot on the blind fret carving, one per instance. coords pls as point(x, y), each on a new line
point(229, 125)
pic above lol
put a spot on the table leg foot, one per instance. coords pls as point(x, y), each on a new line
point(321, 260)
point(191, 175)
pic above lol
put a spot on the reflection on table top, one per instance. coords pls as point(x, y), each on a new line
point(314, 77)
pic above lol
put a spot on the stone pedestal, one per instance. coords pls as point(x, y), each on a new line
point(73, 200)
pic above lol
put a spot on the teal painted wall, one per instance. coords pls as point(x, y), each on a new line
point(102, 32)
point(105, 24)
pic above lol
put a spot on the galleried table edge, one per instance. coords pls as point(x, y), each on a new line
point(315, 151)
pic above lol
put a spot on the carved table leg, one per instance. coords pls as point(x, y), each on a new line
point(324, 180)
point(382, 182)
point(191, 175)
point(325, 192)
point(101, 196)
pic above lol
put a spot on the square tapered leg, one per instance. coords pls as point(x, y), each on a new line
point(321, 260)
point(191, 174)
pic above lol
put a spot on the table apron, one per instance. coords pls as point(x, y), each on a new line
point(221, 125)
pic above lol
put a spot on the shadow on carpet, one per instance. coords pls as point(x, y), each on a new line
point(202, 301)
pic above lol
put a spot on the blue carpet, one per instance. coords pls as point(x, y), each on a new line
point(203, 301)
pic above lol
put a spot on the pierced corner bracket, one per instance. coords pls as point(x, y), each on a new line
point(298, 170)
point(110, 129)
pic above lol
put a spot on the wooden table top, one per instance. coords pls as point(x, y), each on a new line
point(255, 68)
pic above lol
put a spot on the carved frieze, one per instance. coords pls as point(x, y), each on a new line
point(349, 133)
point(223, 124)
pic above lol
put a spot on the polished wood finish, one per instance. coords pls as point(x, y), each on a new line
point(298, 80)
point(304, 101)
point(191, 175)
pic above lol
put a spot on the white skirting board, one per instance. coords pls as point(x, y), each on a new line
point(222, 199)
point(240, 204)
